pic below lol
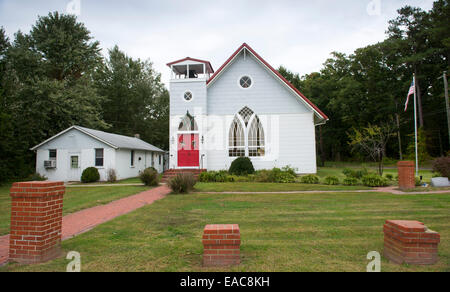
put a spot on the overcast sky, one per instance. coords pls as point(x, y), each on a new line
point(297, 34)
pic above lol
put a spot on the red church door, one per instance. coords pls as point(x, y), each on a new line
point(188, 150)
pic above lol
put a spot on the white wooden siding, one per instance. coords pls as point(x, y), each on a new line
point(77, 143)
point(267, 95)
point(290, 140)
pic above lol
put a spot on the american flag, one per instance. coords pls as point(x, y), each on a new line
point(411, 91)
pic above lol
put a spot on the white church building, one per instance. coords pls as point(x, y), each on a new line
point(245, 108)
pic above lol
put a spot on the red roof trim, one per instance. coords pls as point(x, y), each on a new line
point(192, 59)
point(244, 45)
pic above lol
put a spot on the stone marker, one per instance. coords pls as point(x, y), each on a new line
point(440, 182)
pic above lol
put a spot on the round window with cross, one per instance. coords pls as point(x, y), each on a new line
point(245, 82)
point(188, 96)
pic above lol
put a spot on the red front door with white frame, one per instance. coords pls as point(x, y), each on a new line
point(188, 150)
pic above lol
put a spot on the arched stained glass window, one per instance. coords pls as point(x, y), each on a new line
point(256, 138)
point(246, 114)
point(236, 138)
point(188, 124)
point(246, 136)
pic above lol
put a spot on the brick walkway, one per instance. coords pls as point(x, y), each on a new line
point(84, 220)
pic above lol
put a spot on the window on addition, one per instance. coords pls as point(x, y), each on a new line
point(99, 157)
point(52, 154)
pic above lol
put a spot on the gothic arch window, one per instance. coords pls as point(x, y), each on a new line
point(246, 114)
point(236, 139)
point(188, 124)
point(256, 138)
point(246, 136)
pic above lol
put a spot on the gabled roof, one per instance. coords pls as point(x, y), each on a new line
point(208, 64)
point(113, 140)
point(300, 95)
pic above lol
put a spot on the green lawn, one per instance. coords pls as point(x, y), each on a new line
point(302, 232)
point(75, 199)
point(269, 187)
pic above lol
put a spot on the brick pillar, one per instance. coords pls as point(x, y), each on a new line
point(410, 242)
point(406, 176)
point(221, 245)
point(36, 221)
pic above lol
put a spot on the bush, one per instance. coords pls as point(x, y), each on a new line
point(275, 175)
point(263, 175)
point(418, 182)
point(89, 175)
point(149, 177)
point(182, 183)
point(241, 166)
point(215, 176)
point(285, 177)
point(389, 176)
point(36, 177)
point(111, 175)
point(331, 180)
point(374, 180)
point(350, 181)
point(237, 178)
point(442, 166)
point(310, 179)
point(355, 173)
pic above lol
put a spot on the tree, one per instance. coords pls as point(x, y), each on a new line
point(372, 139)
point(65, 45)
point(136, 101)
point(47, 86)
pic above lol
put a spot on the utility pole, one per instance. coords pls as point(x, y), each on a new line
point(444, 76)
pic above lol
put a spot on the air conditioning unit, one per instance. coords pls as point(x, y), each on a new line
point(50, 163)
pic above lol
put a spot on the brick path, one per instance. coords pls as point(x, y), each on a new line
point(84, 220)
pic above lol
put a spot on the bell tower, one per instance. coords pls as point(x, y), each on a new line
point(188, 112)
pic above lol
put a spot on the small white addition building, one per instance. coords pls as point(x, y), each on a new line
point(245, 108)
point(64, 156)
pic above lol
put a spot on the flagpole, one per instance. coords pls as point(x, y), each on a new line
point(415, 127)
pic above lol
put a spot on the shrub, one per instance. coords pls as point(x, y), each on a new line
point(442, 166)
point(331, 180)
point(275, 175)
point(350, 181)
point(285, 177)
point(89, 175)
point(182, 183)
point(111, 175)
point(36, 177)
point(374, 180)
point(348, 172)
point(355, 173)
point(290, 170)
point(263, 175)
point(149, 177)
point(241, 166)
point(310, 179)
point(237, 178)
point(389, 176)
point(214, 176)
point(418, 182)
